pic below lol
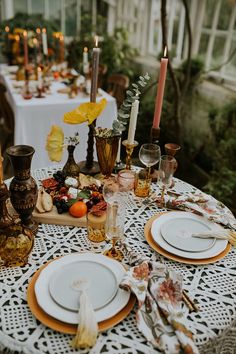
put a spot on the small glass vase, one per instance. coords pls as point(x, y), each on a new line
point(71, 168)
point(107, 149)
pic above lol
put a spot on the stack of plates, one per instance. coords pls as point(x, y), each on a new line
point(54, 292)
point(170, 234)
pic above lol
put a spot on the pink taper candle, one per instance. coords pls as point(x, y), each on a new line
point(26, 59)
point(160, 91)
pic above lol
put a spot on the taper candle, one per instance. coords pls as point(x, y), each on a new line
point(85, 61)
point(133, 121)
point(160, 91)
point(40, 78)
point(35, 42)
point(95, 67)
point(26, 58)
point(39, 38)
point(45, 41)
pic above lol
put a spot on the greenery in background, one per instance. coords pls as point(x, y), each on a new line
point(29, 23)
point(116, 52)
point(222, 183)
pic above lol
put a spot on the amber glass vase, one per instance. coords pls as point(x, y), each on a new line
point(107, 149)
point(16, 243)
point(23, 188)
point(71, 168)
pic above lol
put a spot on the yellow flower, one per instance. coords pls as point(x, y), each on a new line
point(86, 112)
point(55, 142)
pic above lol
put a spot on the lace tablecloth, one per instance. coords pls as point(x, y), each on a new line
point(213, 286)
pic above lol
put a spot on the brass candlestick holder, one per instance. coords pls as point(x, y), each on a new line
point(154, 135)
point(129, 151)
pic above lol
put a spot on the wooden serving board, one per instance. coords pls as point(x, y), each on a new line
point(52, 217)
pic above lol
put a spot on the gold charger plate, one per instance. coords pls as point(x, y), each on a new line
point(62, 327)
point(160, 250)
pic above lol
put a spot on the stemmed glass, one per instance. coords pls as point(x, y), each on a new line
point(167, 168)
point(149, 155)
point(114, 227)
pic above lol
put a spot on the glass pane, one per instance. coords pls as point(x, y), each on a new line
point(225, 14)
point(37, 6)
point(203, 45)
point(209, 13)
point(20, 6)
point(55, 12)
point(230, 68)
point(71, 17)
point(217, 54)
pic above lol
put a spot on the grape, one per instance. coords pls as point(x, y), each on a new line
point(95, 200)
point(89, 204)
point(59, 210)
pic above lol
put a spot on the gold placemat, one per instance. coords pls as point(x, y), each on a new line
point(60, 326)
point(160, 250)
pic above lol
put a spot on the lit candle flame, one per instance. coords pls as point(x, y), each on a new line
point(96, 41)
point(25, 33)
point(44, 30)
point(7, 29)
point(17, 38)
point(38, 30)
point(39, 69)
point(85, 49)
point(165, 51)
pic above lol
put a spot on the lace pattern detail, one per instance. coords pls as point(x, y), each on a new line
point(213, 286)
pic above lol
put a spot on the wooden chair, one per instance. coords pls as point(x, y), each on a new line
point(117, 85)
point(6, 128)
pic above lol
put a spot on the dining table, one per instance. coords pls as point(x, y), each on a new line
point(212, 286)
point(34, 117)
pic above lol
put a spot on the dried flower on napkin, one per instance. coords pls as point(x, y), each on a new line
point(54, 144)
point(159, 316)
point(86, 112)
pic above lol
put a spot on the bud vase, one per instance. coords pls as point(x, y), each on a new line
point(107, 149)
point(23, 188)
point(71, 168)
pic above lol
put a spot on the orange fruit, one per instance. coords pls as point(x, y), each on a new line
point(78, 209)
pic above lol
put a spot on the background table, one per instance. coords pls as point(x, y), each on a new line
point(214, 286)
point(34, 118)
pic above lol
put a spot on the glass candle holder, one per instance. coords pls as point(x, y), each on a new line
point(96, 227)
point(142, 186)
point(126, 179)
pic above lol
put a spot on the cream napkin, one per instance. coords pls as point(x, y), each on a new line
point(201, 204)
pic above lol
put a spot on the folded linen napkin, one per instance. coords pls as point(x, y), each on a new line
point(201, 204)
point(159, 316)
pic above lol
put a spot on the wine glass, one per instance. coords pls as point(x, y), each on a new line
point(115, 216)
point(167, 168)
point(149, 155)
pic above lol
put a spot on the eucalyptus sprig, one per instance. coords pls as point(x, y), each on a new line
point(132, 94)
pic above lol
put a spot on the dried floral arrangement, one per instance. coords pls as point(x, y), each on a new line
point(123, 116)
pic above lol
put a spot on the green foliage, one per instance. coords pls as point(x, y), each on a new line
point(223, 181)
point(116, 52)
point(132, 94)
point(29, 22)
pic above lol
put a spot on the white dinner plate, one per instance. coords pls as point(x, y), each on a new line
point(178, 233)
point(216, 249)
point(47, 303)
point(97, 279)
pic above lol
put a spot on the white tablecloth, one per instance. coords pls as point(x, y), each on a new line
point(34, 118)
point(212, 285)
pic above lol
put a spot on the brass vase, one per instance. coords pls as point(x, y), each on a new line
point(107, 149)
point(71, 168)
point(23, 188)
